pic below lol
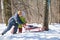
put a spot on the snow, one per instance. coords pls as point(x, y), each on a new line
point(52, 34)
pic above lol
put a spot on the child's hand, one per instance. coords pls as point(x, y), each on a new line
point(24, 25)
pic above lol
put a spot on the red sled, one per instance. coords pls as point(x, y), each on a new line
point(34, 29)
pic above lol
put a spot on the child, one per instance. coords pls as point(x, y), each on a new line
point(14, 21)
point(21, 25)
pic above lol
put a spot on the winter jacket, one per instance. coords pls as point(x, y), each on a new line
point(17, 19)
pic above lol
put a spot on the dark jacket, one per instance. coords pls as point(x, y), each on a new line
point(16, 18)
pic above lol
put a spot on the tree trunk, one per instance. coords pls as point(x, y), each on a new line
point(45, 26)
point(7, 10)
point(59, 11)
point(2, 8)
point(12, 7)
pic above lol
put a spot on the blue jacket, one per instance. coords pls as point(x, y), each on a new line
point(16, 18)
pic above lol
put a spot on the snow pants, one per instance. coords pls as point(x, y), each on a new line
point(11, 23)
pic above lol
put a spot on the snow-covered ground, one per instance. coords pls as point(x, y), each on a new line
point(52, 34)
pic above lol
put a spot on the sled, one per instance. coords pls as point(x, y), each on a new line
point(33, 28)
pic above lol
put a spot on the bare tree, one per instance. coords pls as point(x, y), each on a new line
point(7, 10)
point(45, 26)
point(12, 7)
point(59, 11)
point(2, 8)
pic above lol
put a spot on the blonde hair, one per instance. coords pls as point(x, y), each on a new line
point(19, 12)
